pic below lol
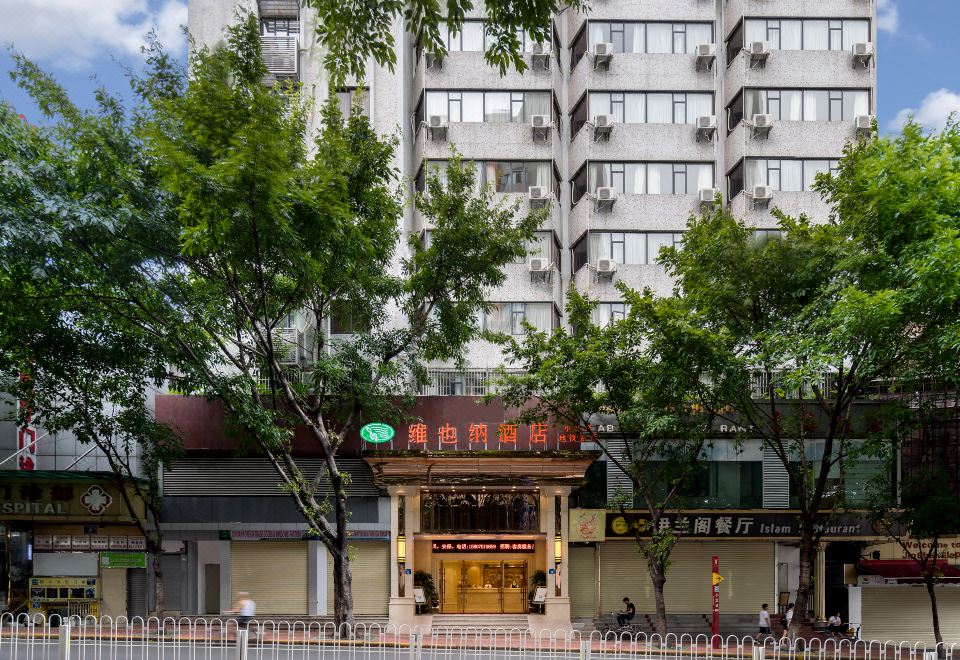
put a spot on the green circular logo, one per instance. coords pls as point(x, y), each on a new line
point(377, 433)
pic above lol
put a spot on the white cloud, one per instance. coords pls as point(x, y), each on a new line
point(933, 111)
point(888, 19)
point(73, 33)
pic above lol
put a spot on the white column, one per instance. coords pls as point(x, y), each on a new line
point(412, 519)
point(548, 527)
point(565, 535)
point(402, 608)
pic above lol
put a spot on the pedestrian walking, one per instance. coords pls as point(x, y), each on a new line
point(764, 624)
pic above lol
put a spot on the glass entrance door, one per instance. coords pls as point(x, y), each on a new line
point(483, 587)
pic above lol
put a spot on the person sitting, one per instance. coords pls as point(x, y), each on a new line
point(835, 625)
point(627, 613)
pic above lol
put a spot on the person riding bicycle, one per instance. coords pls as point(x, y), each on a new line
point(627, 613)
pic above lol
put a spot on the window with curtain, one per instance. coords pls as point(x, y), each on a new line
point(786, 175)
point(606, 313)
point(808, 34)
point(492, 107)
point(541, 245)
point(509, 318)
point(651, 107)
point(652, 37)
point(515, 176)
point(630, 248)
point(651, 178)
point(807, 104)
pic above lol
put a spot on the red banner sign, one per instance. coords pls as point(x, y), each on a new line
point(484, 546)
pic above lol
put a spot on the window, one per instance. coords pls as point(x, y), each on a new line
point(346, 98)
point(629, 248)
point(651, 178)
point(541, 245)
point(800, 105)
point(605, 314)
point(650, 107)
point(808, 34)
point(509, 318)
point(347, 319)
point(491, 107)
point(785, 175)
point(735, 43)
point(646, 37)
point(503, 176)
point(473, 38)
point(730, 475)
point(279, 27)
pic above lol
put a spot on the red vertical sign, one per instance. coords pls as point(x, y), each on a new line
point(715, 587)
point(26, 435)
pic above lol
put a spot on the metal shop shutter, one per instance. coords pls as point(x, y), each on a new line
point(172, 567)
point(902, 613)
point(137, 592)
point(748, 570)
point(582, 582)
point(370, 566)
point(274, 573)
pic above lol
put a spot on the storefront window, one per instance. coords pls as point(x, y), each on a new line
point(19, 567)
point(479, 512)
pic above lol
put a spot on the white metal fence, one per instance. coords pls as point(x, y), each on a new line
point(216, 639)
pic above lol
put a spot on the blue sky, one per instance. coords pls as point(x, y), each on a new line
point(86, 42)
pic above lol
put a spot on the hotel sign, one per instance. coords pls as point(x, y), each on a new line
point(736, 525)
point(471, 545)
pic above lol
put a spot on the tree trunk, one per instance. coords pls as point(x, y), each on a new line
point(342, 587)
point(659, 578)
point(808, 554)
point(931, 591)
point(159, 595)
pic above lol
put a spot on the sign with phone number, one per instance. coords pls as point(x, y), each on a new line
point(484, 546)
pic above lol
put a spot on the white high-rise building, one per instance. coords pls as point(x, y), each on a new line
point(627, 121)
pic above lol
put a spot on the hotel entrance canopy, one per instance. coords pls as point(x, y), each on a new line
point(479, 468)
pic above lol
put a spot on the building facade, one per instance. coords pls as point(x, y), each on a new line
point(628, 120)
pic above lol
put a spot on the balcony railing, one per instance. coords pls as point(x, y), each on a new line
point(281, 55)
point(456, 382)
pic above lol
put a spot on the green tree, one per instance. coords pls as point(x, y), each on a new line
point(78, 374)
point(916, 518)
point(353, 32)
point(826, 315)
point(211, 219)
point(643, 371)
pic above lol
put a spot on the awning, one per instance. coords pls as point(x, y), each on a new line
point(907, 570)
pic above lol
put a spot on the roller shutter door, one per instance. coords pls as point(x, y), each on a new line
point(370, 566)
point(903, 614)
point(747, 568)
point(274, 573)
point(171, 565)
point(583, 582)
point(137, 592)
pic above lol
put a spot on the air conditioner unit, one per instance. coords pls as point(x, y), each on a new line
point(760, 196)
point(437, 127)
point(541, 126)
point(606, 266)
point(605, 198)
point(862, 54)
point(760, 126)
point(538, 196)
point(706, 127)
point(708, 195)
point(602, 127)
point(706, 56)
point(286, 344)
point(759, 51)
point(864, 125)
point(540, 121)
point(539, 265)
point(541, 56)
point(602, 54)
point(433, 61)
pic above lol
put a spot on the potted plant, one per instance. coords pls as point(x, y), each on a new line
point(424, 580)
point(538, 579)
